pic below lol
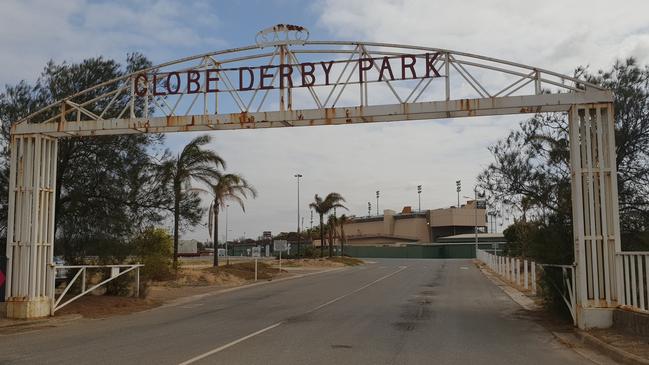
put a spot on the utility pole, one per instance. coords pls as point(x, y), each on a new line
point(298, 176)
point(311, 218)
point(458, 188)
point(419, 195)
point(377, 202)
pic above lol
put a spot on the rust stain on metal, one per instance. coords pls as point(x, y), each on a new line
point(330, 113)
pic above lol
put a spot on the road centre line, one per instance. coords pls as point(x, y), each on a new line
point(244, 338)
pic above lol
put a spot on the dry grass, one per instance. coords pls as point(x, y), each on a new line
point(346, 260)
point(100, 306)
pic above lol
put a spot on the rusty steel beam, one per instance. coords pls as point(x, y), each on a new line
point(560, 102)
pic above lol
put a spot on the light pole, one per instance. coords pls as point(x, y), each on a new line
point(227, 253)
point(377, 202)
point(458, 188)
point(298, 176)
point(369, 209)
point(475, 217)
point(419, 196)
point(311, 218)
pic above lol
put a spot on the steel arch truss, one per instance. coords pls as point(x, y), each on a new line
point(284, 83)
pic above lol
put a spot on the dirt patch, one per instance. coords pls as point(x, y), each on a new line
point(323, 262)
point(101, 306)
point(637, 345)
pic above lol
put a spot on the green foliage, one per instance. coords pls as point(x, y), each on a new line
point(107, 188)
point(323, 207)
point(154, 248)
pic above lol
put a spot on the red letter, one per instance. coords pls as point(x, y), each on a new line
point(285, 72)
point(362, 68)
point(326, 66)
point(192, 79)
point(209, 79)
point(429, 65)
point(309, 73)
point(410, 65)
point(385, 65)
point(252, 78)
point(264, 75)
point(168, 82)
point(155, 86)
point(138, 91)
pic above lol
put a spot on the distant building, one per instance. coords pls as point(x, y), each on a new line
point(407, 227)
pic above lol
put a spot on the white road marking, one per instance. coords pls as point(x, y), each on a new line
point(219, 349)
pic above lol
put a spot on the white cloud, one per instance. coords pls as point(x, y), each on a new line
point(34, 31)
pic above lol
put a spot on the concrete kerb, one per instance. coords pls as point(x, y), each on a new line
point(598, 345)
point(611, 351)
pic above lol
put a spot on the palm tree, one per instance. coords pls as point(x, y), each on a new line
point(342, 220)
point(230, 187)
point(332, 222)
point(192, 164)
point(322, 207)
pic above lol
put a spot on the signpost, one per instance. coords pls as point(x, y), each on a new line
point(280, 245)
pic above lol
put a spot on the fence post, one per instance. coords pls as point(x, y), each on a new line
point(518, 271)
point(137, 282)
point(526, 286)
point(534, 277)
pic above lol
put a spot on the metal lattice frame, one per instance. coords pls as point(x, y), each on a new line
point(462, 85)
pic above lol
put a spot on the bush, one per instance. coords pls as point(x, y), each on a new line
point(154, 248)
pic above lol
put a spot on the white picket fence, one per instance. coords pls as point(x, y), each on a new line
point(521, 273)
point(633, 278)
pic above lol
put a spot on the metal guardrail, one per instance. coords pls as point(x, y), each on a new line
point(115, 272)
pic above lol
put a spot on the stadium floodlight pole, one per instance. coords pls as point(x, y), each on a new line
point(369, 209)
point(377, 202)
point(419, 196)
point(298, 176)
point(458, 188)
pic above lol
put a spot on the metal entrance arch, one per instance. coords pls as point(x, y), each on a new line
point(286, 80)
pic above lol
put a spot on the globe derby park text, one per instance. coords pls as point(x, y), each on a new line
point(306, 74)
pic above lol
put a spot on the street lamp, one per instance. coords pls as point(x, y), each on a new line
point(458, 188)
point(298, 176)
point(419, 195)
point(369, 209)
point(227, 253)
point(475, 211)
point(377, 202)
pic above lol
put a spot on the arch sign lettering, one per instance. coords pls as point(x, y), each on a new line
point(287, 80)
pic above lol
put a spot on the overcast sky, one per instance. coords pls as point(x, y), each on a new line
point(352, 160)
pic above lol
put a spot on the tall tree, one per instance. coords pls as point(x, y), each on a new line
point(531, 165)
point(193, 164)
point(342, 220)
point(324, 206)
point(103, 193)
point(230, 187)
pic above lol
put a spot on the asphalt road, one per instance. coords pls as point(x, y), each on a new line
point(387, 312)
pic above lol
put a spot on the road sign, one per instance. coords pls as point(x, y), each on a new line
point(280, 245)
point(256, 251)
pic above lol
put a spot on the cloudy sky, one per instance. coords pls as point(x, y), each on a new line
point(352, 160)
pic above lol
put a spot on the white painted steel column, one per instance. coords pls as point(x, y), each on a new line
point(30, 225)
point(595, 213)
